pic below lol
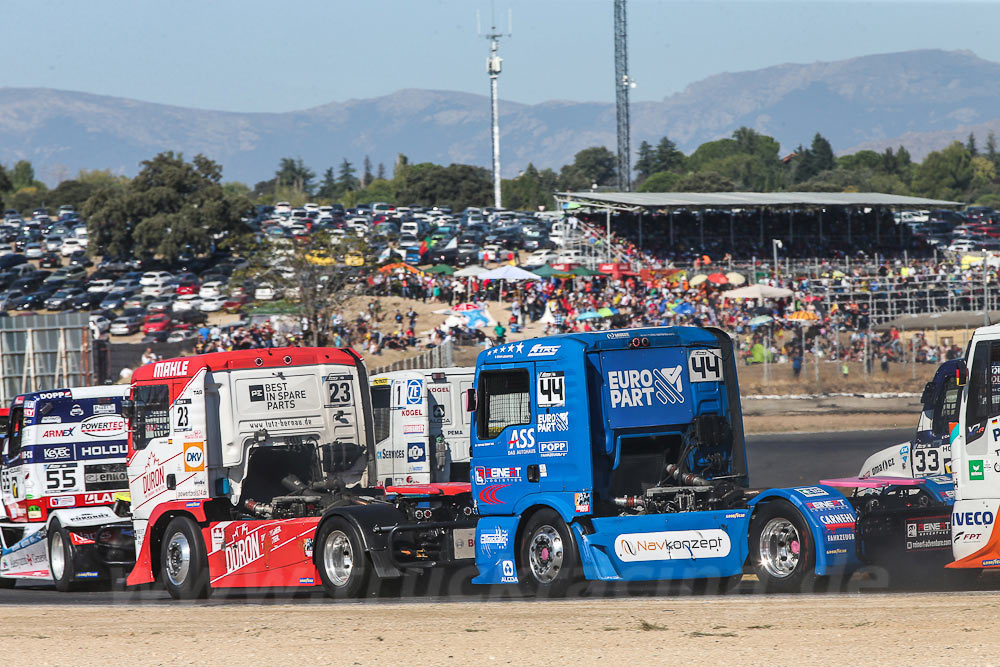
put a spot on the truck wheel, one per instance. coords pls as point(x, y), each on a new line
point(547, 558)
point(782, 551)
point(342, 562)
point(183, 561)
point(61, 557)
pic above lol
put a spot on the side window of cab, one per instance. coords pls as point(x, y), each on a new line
point(504, 400)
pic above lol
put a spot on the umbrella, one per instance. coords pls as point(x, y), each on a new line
point(837, 274)
point(736, 278)
point(811, 298)
point(803, 316)
point(683, 308)
point(698, 279)
point(717, 279)
point(508, 272)
point(605, 312)
point(399, 265)
point(760, 319)
point(588, 315)
point(441, 268)
point(548, 272)
point(758, 292)
point(470, 271)
point(584, 271)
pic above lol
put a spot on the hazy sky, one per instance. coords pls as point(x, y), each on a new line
point(254, 55)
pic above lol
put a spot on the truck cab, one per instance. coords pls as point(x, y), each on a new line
point(422, 428)
point(928, 453)
point(621, 456)
point(61, 472)
point(231, 450)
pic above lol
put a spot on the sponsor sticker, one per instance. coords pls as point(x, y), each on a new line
point(672, 545)
point(705, 366)
point(194, 457)
point(553, 421)
point(540, 350)
point(811, 491)
point(551, 389)
point(554, 448)
point(521, 441)
point(413, 428)
point(581, 502)
point(976, 471)
point(414, 391)
point(509, 573)
point(645, 387)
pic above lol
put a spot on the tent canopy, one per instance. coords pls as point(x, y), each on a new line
point(758, 292)
point(727, 200)
point(508, 272)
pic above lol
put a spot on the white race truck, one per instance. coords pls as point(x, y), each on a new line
point(422, 430)
point(63, 466)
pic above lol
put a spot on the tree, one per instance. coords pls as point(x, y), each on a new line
point(970, 145)
point(667, 157)
point(169, 207)
point(456, 186)
point(531, 189)
point(591, 165)
point(309, 273)
point(328, 188)
point(944, 174)
point(708, 181)
point(380, 174)
point(822, 154)
point(661, 181)
point(296, 175)
point(869, 160)
point(22, 175)
point(644, 161)
point(991, 149)
point(346, 180)
point(5, 183)
point(366, 175)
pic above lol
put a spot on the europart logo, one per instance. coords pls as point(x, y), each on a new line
point(976, 470)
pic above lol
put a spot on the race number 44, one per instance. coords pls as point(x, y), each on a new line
point(551, 390)
point(705, 366)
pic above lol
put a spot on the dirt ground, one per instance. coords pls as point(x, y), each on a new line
point(878, 629)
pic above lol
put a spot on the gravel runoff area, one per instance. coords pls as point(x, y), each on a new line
point(876, 629)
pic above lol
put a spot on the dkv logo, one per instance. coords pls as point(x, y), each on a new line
point(194, 457)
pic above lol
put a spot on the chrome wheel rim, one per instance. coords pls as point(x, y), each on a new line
point(57, 558)
point(178, 559)
point(545, 554)
point(338, 558)
point(780, 548)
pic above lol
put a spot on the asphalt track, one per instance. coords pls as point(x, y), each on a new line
point(775, 460)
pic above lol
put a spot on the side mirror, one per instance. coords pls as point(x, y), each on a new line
point(928, 396)
point(470, 400)
point(128, 409)
point(961, 375)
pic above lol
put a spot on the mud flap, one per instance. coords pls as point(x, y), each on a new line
point(496, 550)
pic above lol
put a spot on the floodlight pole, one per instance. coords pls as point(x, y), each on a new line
point(493, 65)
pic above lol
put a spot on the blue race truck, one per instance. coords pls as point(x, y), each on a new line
point(612, 456)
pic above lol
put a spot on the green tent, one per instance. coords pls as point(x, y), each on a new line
point(442, 268)
point(582, 271)
point(548, 272)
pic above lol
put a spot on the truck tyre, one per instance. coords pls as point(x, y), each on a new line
point(183, 561)
point(547, 558)
point(782, 550)
point(61, 557)
point(341, 560)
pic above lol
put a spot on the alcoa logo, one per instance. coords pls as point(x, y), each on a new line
point(636, 388)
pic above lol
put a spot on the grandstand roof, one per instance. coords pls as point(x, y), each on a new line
point(727, 200)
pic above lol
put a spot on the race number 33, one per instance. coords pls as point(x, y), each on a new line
point(551, 389)
point(705, 366)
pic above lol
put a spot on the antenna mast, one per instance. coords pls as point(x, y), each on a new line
point(493, 64)
point(622, 85)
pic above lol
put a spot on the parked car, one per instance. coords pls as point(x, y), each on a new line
point(182, 336)
point(100, 322)
point(125, 325)
point(60, 300)
point(235, 303)
point(33, 250)
point(72, 245)
point(157, 322)
point(213, 304)
point(50, 260)
point(154, 278)
point(86, 301)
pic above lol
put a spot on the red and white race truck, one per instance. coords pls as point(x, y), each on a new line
point(234, 456)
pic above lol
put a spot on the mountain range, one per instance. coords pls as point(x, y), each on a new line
point(920, 99)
